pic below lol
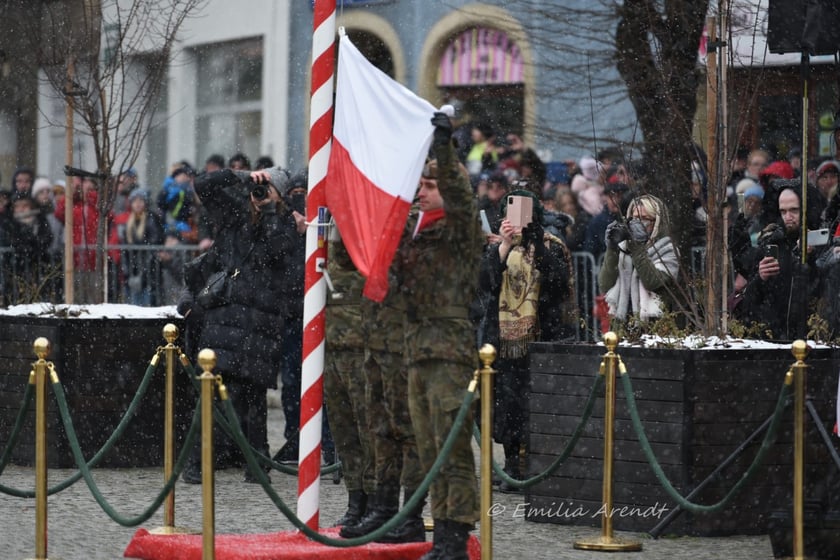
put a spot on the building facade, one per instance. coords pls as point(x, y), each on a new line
point(542, 69)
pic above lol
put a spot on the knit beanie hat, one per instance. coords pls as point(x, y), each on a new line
point(278, 177)
point(40, 184)
point(590, 168)
point(755, 191)
point(744, 184)
point(139, 193)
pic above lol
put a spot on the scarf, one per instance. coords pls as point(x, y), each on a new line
point(629, 289)
point(519, 303)
point(427, 219)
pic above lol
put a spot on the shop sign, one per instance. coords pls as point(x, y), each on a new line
point(481, 56)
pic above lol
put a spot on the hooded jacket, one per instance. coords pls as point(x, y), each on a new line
point(258, 254)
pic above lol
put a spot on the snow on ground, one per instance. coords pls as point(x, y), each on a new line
point(124, 311)
point(697, 342)
point(99, 311)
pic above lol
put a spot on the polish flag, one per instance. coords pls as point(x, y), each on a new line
point(381, 136)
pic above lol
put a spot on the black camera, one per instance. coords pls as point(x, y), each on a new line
point(259, 192)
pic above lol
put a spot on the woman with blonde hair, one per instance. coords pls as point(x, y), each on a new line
point(139, 268)
point(641, 263)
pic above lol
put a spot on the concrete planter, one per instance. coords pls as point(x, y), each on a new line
point(100, 363)
point(697, 407)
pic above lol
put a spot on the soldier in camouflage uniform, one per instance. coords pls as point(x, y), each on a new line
point(394, 447)
point(438, 274)
point(344, 384)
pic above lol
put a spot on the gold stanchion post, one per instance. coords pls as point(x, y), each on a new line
point(487, 353)
point(607, 542)
point(38, 377)
point(170, 335)
point(799, 349)
point(207, 361)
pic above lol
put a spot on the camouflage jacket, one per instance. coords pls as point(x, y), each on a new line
point(384, 322)
point(343, 314)
point(437, 271)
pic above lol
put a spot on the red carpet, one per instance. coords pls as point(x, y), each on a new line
point(291, 545)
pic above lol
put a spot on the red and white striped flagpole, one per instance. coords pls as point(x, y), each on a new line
point(315, 296)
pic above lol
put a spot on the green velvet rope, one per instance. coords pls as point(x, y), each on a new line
point(220, 419)
point(253, 464)
point(106, 447)
point(567, 451)
point(766, 444)
point(85, 470)
point(28, 395)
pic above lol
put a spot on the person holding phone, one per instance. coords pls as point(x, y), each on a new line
point(778, 293)
point(641, 263)
point(529, 278)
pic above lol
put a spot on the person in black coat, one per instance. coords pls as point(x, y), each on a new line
point(781, 290)
point(528, 284)
point(256, 244)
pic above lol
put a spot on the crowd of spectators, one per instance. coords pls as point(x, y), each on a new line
point(152, 231)
point(594, 192)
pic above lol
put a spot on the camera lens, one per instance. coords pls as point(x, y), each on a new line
point(259, 192)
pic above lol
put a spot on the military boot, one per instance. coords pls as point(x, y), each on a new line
point(436, 552)
point(412, 528)
point(356, 506)
point(385, 506)
point(455, 536)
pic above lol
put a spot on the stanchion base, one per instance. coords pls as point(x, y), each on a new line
point(609, 544)
point(166, 530)
point(429, 524)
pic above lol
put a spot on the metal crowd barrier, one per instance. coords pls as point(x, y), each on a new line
point(147, 275)
point(151, 275)
point(586, 288)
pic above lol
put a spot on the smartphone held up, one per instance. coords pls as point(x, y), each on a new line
point(520, 210)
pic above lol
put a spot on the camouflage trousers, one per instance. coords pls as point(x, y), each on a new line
point(395, 450)
point(344, 391)
point(436, 389)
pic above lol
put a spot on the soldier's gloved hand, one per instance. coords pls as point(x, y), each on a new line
point(616, 233)
point(638, 231)
point(443, 129)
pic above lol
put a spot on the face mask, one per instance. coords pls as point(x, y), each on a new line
point(638, 231)
point(183, 186)
point(297, 202)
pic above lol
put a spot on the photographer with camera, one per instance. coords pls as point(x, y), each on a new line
point(236, 296)
point(780, 289)
point(641, 263)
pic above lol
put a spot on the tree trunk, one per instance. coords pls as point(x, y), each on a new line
point(657, 58)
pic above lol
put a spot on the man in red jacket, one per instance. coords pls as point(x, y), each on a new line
point(85, 222)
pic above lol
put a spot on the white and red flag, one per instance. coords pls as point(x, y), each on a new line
point(381, 136)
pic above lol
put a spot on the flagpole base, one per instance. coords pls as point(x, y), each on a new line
point(609, 544)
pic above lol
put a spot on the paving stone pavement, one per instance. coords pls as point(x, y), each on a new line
point(79, 530)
